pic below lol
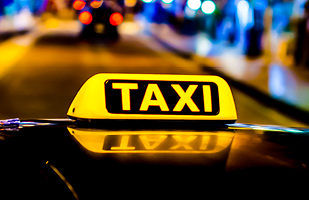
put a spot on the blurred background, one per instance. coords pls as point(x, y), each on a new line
point(49, 48)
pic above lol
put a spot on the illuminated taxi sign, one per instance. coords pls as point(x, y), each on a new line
point(157, 97)
point(153, 141)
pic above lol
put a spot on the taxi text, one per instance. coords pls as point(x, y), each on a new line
point(162, 97)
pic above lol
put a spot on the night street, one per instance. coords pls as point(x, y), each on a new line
point(44, 80)
point(149, 99)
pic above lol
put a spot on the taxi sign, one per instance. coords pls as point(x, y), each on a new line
point(154, 97)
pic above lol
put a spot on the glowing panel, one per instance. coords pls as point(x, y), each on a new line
point(154, 97)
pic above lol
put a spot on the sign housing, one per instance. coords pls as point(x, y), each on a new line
point(154, 97)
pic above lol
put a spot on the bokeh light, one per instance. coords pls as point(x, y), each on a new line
point(167, 1)
point(79, 4)
point(147, 1)
point(96, 3)
point(243, 12)
point(243, 6)
point(130, 3)
point(115, 19)
point(189, 13)
point(194, 4)
point(130, 28)
point(208, 7)
point(85, 17)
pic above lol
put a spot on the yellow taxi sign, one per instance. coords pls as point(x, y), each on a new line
point(154, 97)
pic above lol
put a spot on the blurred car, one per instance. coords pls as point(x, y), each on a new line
point(100, 19)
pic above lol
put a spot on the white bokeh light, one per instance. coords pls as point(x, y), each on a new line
point(243, 6)
point(208, 7)
point(167, 1)
point(194, 4)
point(147, 1)
point(243, 11)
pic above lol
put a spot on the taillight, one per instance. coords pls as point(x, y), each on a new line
point(115, 19)
point(85, 17)
point(79, 4)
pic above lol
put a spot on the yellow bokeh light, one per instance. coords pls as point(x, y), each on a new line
point(130, 3)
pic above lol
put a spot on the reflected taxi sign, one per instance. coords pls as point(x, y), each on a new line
point(154, 97)
point(152, 141)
